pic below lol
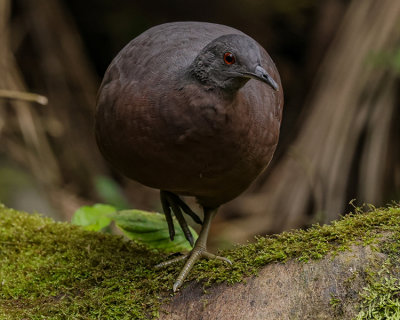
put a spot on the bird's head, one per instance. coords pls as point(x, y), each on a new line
point(229, 61)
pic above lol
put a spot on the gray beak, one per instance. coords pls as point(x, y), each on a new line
point(262, 75)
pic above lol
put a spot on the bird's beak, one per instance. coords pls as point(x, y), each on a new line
point(262, 75)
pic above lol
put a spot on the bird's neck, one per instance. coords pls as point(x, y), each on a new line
point(226, 89)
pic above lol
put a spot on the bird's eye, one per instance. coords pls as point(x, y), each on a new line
point(229, 58)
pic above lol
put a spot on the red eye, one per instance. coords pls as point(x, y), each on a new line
point(229, 58)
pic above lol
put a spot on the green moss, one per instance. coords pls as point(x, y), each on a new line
point(380, 300)
point(336, 305)
point(304, 245)
point(59, 271)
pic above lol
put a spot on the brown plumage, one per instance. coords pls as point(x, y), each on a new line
point(174, 115)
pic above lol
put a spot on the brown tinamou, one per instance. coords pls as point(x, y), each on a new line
point(192, 109)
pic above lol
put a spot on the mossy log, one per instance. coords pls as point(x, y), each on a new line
point(346, 270)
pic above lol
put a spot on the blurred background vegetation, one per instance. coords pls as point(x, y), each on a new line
point(339, 62)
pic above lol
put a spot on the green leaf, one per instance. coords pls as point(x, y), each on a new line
point(151, 229)
point(93, 218)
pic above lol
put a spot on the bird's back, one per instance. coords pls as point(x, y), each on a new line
point(163, 50)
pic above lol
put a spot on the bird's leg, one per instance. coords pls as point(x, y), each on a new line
point(170, 201)
point(199, 250)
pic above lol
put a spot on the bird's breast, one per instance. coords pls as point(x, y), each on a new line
point(219, 141)
point(209, 147)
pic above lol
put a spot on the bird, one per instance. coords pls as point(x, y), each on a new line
point(192, 109)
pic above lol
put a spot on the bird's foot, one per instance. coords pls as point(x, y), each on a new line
point(171, 201)
point(197, 253)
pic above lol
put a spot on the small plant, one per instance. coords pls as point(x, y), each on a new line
point(381, 298)
point(148, 228)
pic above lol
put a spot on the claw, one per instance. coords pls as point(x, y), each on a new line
point(171, 201)
point(199, 251)
point(186, 209)
point(182, 222)
point(209, 255)
point(172, 261)
point(168, 215)
point(176, 285)
point(196, 254)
